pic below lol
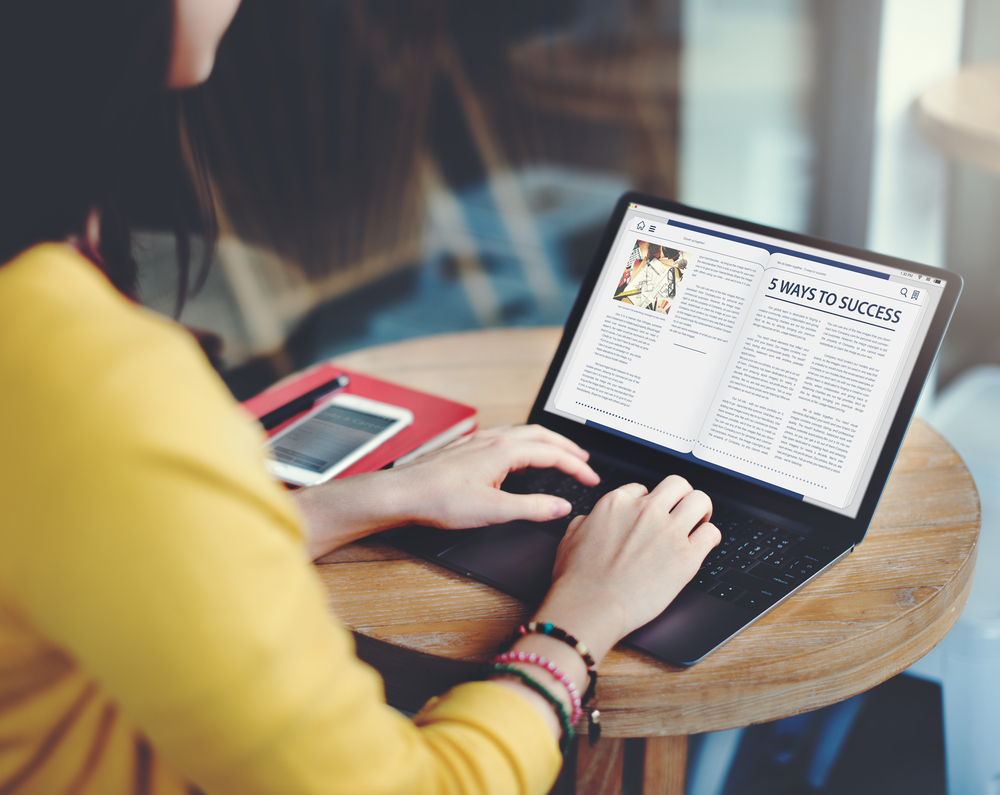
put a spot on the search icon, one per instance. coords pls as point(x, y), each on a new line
point(902, 291)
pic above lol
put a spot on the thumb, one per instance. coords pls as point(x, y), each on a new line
point(502, 506)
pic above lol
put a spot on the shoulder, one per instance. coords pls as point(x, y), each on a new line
point(98, 388)
point(71, 346)
point(60, 318)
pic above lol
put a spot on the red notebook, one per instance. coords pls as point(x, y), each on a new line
point(436, 420)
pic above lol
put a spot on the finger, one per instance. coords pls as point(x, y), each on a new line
point(634, 489)
point(574, 523)
point(673, 482)
point(496, 430)
point(671, 490)
point(704, 538)
point(536, 433)
point(693, 509)
point(501, 506)
point(543, 455)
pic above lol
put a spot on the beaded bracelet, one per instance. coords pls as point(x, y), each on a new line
point(557, 705)
point(547, 628)
point(530, 658)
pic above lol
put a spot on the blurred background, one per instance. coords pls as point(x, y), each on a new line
point(392, 168)
point(373, 158)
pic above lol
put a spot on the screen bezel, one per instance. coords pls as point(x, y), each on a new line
point(792, 509)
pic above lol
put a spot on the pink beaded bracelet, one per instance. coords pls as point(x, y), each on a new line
point(530, 658)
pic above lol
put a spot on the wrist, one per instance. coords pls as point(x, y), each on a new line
point(562, 656)
point(545, 666)
point(341, 511)
point(592, 623)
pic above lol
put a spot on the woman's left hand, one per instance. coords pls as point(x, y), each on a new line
point(455, 487)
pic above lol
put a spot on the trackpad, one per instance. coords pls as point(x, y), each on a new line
point(516, 557)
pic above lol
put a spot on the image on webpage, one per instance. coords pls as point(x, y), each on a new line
point(652, 277)
point(771, 365)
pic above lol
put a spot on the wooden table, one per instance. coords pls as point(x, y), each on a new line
point(426, 628)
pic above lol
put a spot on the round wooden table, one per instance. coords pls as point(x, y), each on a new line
point(426, 628)
point(961, 114)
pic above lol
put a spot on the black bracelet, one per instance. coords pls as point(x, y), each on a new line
point(557, 705)
point(547, 628)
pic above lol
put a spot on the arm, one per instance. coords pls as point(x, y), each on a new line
point(616, 569)
point(456, 487)
point(169, 568)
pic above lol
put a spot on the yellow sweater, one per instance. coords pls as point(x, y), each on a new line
point(159, 623)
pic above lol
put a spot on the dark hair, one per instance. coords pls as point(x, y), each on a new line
point(79, 80)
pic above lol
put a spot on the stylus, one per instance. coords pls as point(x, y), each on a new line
point(302, 403)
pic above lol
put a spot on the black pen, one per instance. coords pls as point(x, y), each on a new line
point(302, 403)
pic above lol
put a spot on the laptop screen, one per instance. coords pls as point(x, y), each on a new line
point(771, 360)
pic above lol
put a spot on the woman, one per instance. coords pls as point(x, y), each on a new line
point(161, 628)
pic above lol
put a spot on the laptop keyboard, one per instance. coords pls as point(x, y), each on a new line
point(756, 564)
point(552, 481)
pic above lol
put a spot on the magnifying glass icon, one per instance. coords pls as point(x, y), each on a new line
point(902, 291)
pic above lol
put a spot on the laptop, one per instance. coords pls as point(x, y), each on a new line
point(776, 372)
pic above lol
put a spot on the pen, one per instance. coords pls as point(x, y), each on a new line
point(302, 403)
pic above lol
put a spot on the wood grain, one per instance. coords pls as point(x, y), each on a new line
point(664, 766)
point(874, 614)
point(599, 769)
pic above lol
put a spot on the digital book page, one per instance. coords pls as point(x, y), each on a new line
point(803, 392)
point(664, 321)
point(770, 365)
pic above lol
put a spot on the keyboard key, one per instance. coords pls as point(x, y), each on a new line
point(803, 567)
point(552, 481)
point(741, 562)
point(817, 554)
point(702, 583)
point(727, 592)
point(755, 601)
point(753, 584)
point(760, 558)
point(773, 574)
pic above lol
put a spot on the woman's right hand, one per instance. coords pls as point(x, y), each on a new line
point(620, 567)
point(616, 570)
